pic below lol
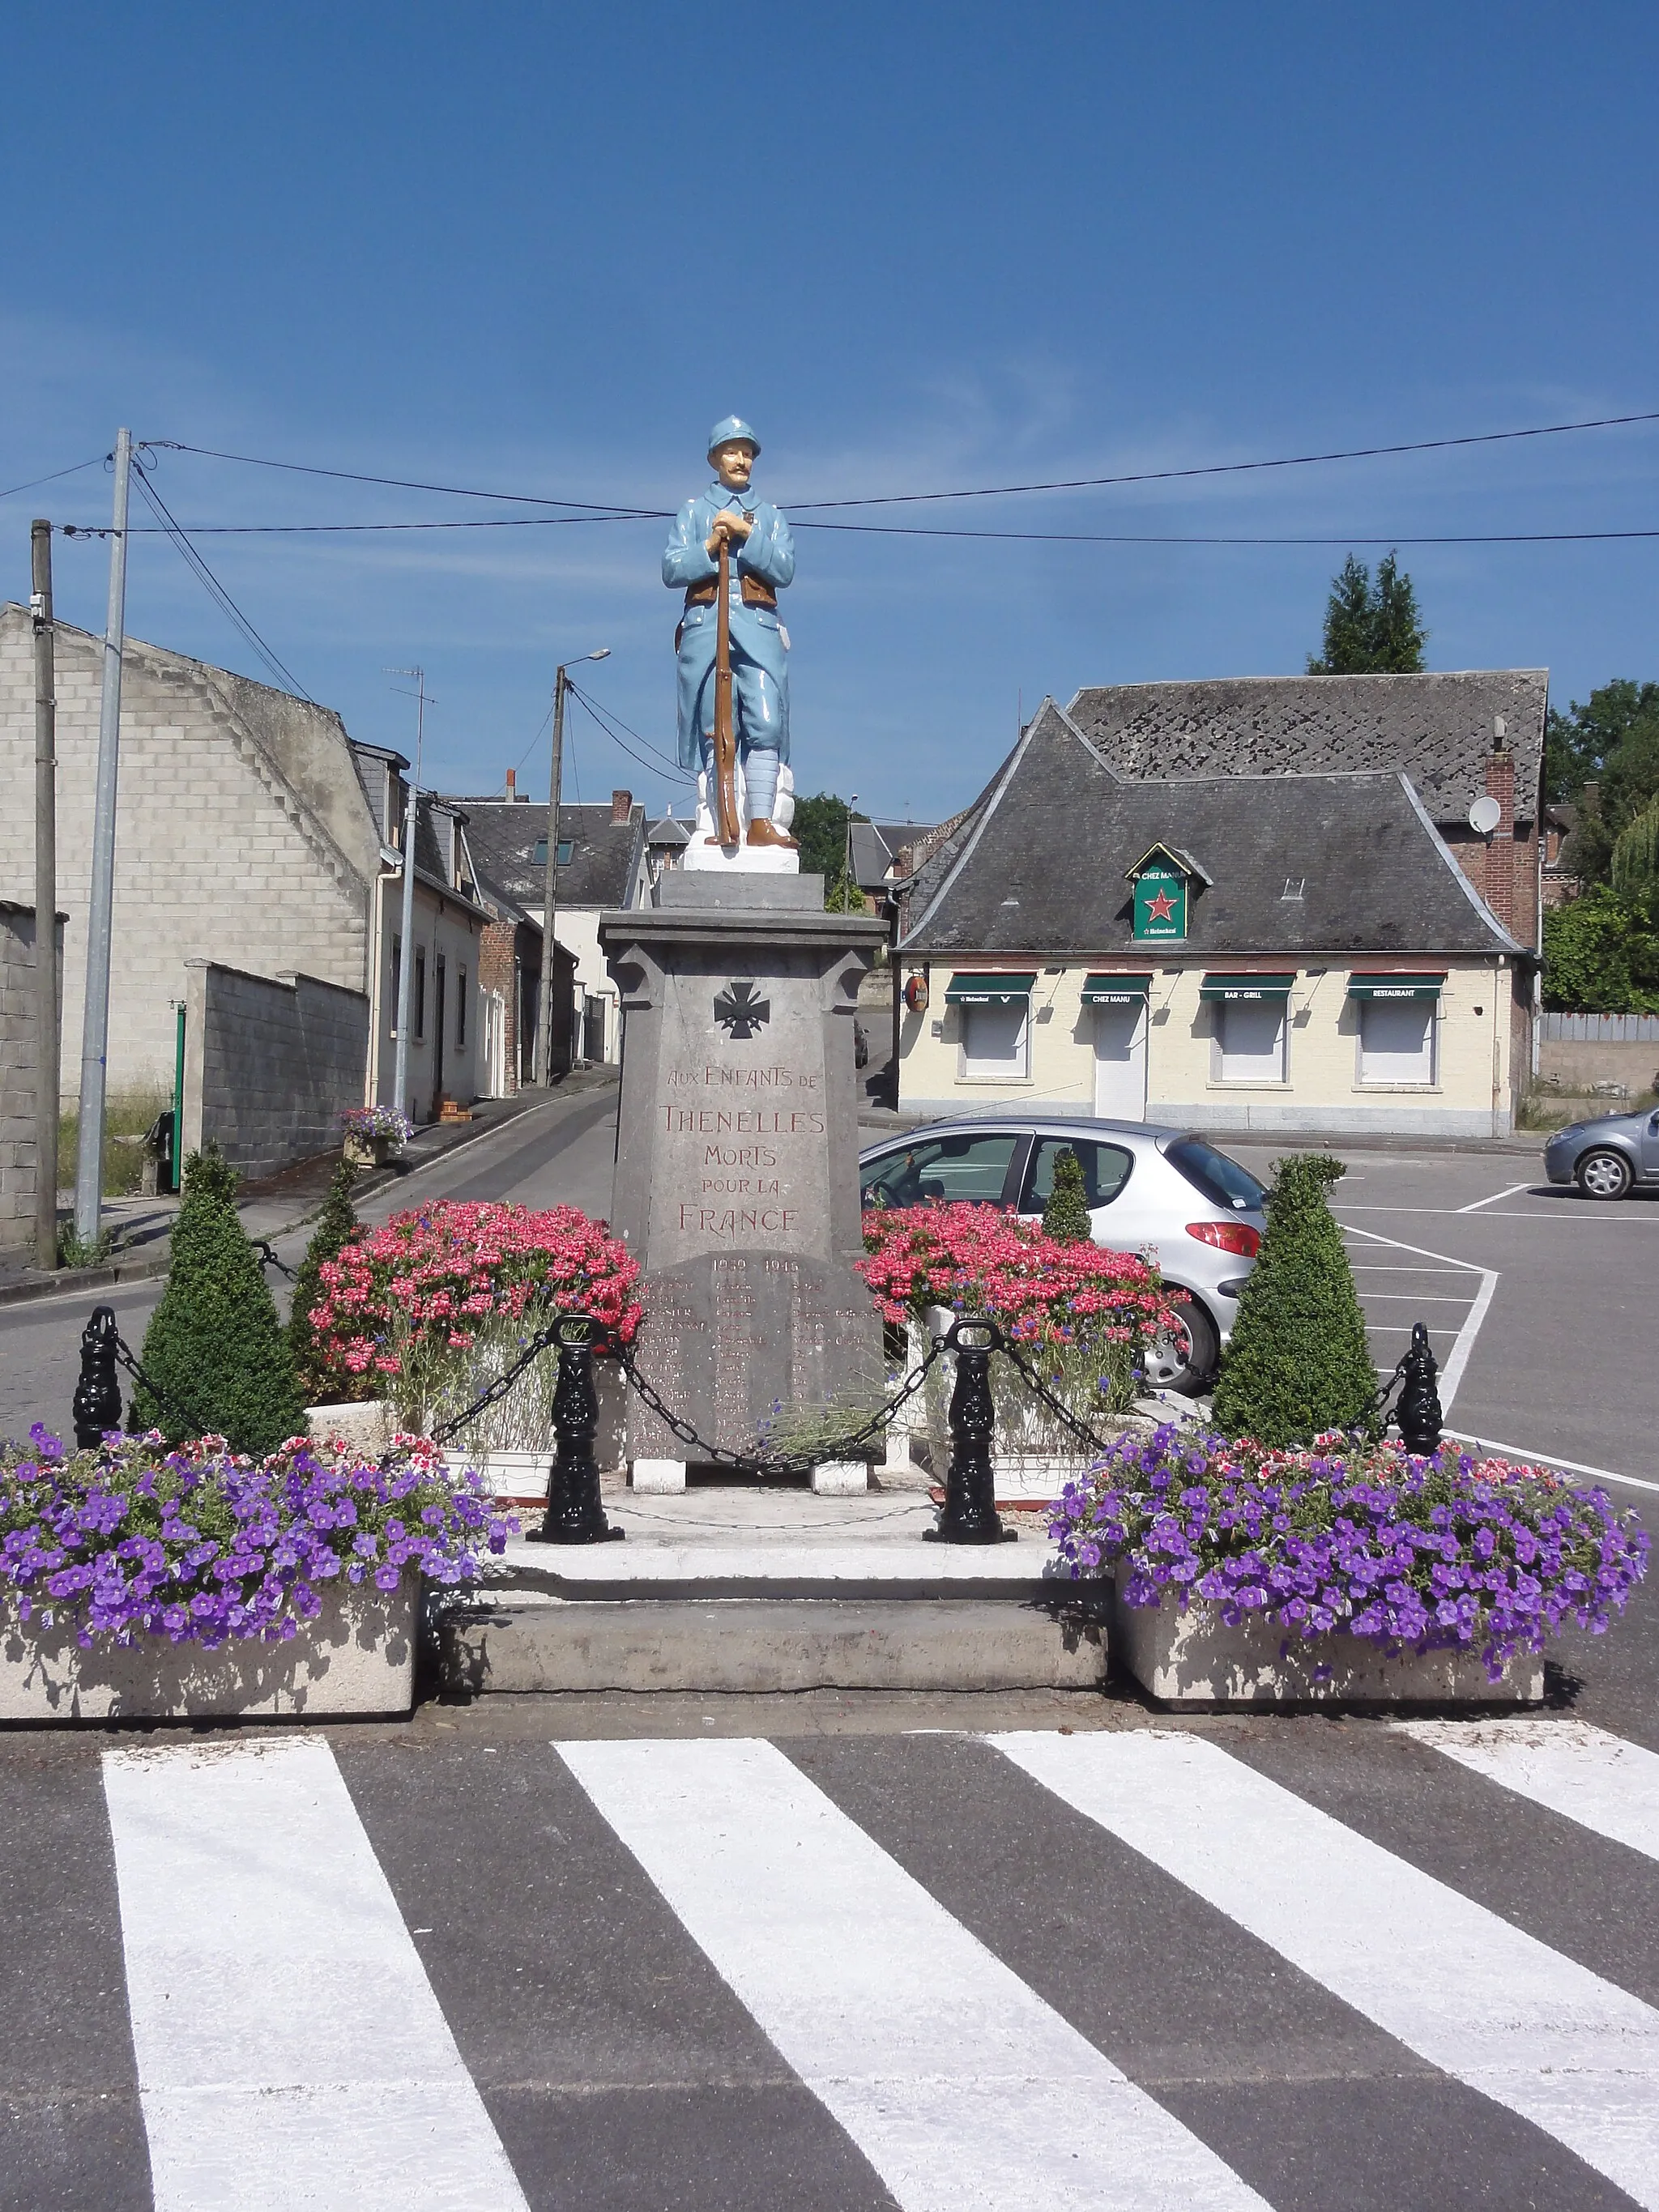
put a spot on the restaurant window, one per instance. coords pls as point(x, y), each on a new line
point(994, 1040)
point(1396, 1040)
point(1250, 1041)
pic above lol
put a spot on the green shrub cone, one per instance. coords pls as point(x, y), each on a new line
point(214, 1346)
point(1066, 1216)
point(1298, 1361)
point(321, 1383)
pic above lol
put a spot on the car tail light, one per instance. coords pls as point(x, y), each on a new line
point(1228, 1236)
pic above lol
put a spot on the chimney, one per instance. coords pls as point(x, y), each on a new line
point(512, 783)
point(1501, 854)
point(622, 805)
point(1590, 798)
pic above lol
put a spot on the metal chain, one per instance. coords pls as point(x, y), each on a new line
point(1040, 1390)
point(268, 1258)
point(500, 1387)
point(126, 1358)
point(784, 1465)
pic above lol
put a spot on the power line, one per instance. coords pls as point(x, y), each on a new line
point(923, 530)
point(978, 491)
point(1235, 468)
point(54, 477)
point(658, 766)
point(215, 589)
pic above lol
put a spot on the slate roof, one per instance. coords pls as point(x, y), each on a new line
point(668, 835)
point(604, 856)
point(877, 845)
point(1038, 866)
point(1438, 728)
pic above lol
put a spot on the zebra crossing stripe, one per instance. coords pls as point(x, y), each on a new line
point(959, 2085)
point(1601, 1781)
point(1483, 2001)
point(290, 2049)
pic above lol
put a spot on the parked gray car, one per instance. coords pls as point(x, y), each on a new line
point(1200, 1213)
point(1606, 1158)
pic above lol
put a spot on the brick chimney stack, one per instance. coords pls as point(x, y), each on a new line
point(622, 805)
point(1501, 853)
point(512, 783)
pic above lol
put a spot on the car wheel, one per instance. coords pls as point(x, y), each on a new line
point(1603, 1175)
point(1185, 1360)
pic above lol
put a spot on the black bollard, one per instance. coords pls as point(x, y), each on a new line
point(574, 1514)
point(97, 1405)
point(968, 1515)
point(1418, 1410)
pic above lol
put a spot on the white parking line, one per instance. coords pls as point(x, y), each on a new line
point(1536, 1458)
point(1508, 1193)
point(1452, 1373)
point(1412, 1298)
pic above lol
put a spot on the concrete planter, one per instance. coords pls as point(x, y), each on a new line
point(363, 1424)
point(369, 1152)
point(356, 1659)
point(1187, 1655)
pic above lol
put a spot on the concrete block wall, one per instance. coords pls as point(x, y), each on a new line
point(269, 1063)
point(241, 835)
point(1322, 1089)
point(18, 1059)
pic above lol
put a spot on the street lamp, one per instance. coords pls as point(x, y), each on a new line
point(551, 888)
point(406, 847)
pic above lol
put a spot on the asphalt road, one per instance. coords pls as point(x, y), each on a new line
point(632, 1961)
point(559, 1153)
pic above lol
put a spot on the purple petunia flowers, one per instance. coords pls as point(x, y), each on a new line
point(1363, 1538)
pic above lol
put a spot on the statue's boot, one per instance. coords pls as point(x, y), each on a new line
point(763, 832)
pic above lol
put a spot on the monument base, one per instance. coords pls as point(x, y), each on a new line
point(736, 1162)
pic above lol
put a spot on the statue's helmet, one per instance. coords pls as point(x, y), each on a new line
point(728, 432)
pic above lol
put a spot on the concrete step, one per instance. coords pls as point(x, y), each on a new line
point(523, 1639)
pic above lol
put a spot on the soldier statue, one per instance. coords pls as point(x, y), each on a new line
point(729, 528)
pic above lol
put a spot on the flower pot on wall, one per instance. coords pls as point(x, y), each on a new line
point(355, 1659)
point(1187, 1655)
point(368, 1152)
point(362, 1424)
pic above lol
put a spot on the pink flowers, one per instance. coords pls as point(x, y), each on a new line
point(431, 1279)
point(979, 1259)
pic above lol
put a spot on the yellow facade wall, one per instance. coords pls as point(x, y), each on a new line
point(1321, 1090)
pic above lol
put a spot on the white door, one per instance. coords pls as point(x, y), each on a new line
point(1120, 1062)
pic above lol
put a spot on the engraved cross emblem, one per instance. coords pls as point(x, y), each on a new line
point(740, 1012)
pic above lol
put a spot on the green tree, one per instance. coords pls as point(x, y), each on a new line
point(820, 829)
point(1601, 954)
point(1371, 629)
point(215, 1348)
point(1066, 1216)
point(320, 1380)
point(1299, 1361)
point(1635, 857)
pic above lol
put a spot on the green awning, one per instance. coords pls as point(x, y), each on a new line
point(1395, 986)
point(1246, 987)
point(989, 990)
point(1115, 990)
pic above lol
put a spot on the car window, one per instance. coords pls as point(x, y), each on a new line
point(1105, 1170)
point(1222, 1181)
point(963, 1167)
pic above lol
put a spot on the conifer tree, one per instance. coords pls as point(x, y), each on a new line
point(215, 1348)
point(319, 1380)
point(1066, 1216)
point(1371, 629)
point(1298, 1361)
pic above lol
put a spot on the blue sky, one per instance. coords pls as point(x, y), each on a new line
point(540, 250)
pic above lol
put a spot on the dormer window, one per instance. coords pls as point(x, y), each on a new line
point(567, 846)
point(1294, 887)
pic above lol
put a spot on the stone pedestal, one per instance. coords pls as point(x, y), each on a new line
point(737, 1161)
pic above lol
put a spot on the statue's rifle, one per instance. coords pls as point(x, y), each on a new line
point(725, 752)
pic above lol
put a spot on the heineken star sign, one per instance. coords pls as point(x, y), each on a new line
point(1160, 902)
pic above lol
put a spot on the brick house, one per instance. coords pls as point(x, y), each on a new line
point(1238, 940)
point(251, 833)
point(603, 862)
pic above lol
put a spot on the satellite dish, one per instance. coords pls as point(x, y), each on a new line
point(1485, 815)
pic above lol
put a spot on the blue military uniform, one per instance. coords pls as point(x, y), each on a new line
point(762, 566)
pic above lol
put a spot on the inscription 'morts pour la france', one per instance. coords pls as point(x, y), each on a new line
point(739, 1012)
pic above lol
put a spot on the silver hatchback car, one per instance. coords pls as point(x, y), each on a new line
point(1164, 1190)
point(1608, 1156)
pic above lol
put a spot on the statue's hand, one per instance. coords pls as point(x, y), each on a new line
point(730, 525)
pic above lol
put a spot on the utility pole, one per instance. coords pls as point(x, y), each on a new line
point(46, 897)
point(94, 1030)
point(550, 881)
point(406, 952)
